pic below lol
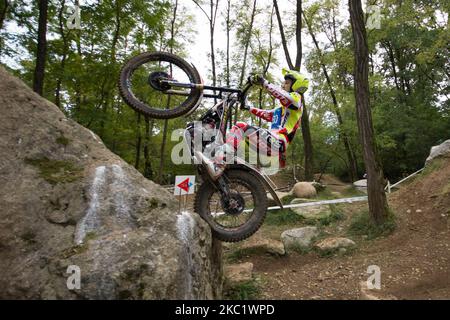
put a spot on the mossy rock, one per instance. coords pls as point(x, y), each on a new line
point(56, 171)
point(63, 140)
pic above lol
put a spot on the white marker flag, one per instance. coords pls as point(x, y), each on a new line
point(184, 185)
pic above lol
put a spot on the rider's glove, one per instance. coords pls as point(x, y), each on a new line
point(256, 79)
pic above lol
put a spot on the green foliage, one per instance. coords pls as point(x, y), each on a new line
point(282, 217)
point(362, 225)
point(325, 194)
point(302, 250)
point(434, 165)
point(352, 191)
point(408, 77)
point(249, 290)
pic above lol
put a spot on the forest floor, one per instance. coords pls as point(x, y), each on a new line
point(414, 258)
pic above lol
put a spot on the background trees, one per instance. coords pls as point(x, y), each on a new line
point(408, 71)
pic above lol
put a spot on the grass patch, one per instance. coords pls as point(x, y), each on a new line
point(287, 199)
point(325, 194)
point(63, 140)
point(352, 191)
point(446, 189)
point(56, 171)
point(300, 249)
point(362, 225)
point(435, 164)
point(335, 216)
point(249, 290)
point(282, 217)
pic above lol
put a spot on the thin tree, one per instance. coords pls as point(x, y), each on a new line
point(247, 38)
point(378, 205)
point(148, 171)
point(3, 10)
point(41, 50)
point(306, 132)
point(228, 25)
point(64, 53)
point(137, 158)
point(353, 170)
point(164, 138)
point(212, 18)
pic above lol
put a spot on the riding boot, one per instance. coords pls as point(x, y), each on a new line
point(217, 165)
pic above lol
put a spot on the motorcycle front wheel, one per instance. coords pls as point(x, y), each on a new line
point(247, 212)
point(144, 85)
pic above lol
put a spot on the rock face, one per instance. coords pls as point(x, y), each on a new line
point(361, 185)
point(313, 212)
point(332, 244)
point(270, 246)
point(304, 190)
point(442, 150)
point(65, 200)
point(299, 238)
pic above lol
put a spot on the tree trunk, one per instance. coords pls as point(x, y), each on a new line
point(163, 144)
point(212, 24)
point(228, 27)
point(148, 171)
point(378, 205)
point(307, 144)
point(41, 53)
point(64, 55)
point(3, 11)
point(388, 48)
point(298, 35)
point(283, 36)
point(138, 141)
point(247, 44)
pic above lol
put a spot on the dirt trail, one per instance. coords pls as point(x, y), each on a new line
point(414, 260)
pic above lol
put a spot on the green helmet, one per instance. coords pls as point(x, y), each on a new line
point(299, 82)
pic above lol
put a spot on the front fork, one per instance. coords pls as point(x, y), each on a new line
point(221, 184)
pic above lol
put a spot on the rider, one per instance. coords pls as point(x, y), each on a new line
point(285, 120)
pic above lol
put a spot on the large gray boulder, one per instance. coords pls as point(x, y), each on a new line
point(69, 204)
point(334, 244)
point(314, 212)
point(361, 185)
point(442, 150)
point(299, 238)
